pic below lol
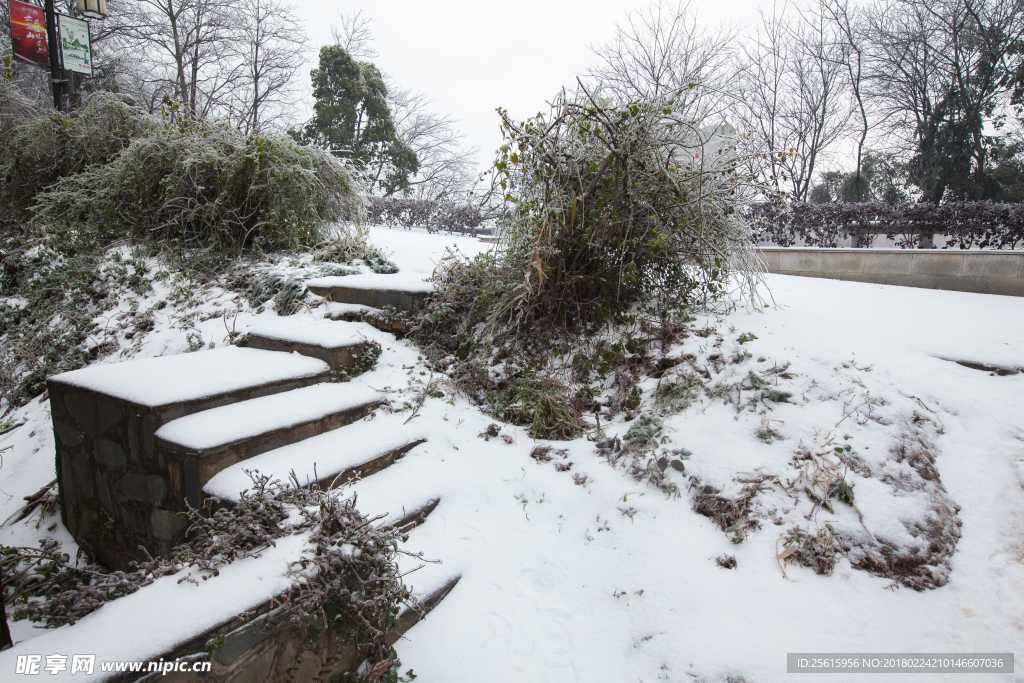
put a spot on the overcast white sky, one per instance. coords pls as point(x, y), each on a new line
point(473, 56)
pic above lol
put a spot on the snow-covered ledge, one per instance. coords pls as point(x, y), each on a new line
point(980, 271)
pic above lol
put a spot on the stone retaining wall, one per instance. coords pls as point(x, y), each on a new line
point(984, 272)
point(117, 490)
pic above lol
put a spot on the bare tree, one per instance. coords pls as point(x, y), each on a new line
point(355, 35)
point(184, 45)
point(663, 48)
point(269, 50)
point(906, 81)
point(850, 28)
point(445, 167)
point(34, 81)
point(936, 66)
point(793, 104)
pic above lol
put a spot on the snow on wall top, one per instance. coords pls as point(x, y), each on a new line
point(305, 329)
point(232, 423)
point(173, 379)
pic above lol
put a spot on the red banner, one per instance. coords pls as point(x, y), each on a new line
point(28, 33)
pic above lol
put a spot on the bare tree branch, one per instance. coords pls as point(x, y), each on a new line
point(355, 35)
point(794, 102)
point(661, 49)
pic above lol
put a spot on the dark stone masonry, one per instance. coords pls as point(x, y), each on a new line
point(119, 489)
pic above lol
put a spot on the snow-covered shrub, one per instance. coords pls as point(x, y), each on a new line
point(39, 146)
point(620, 217)
point(350, 243)
point(615, 204)
point(206, 185)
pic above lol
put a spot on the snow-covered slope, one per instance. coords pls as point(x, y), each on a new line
point(613, 580)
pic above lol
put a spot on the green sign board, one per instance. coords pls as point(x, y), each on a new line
point(75, 50)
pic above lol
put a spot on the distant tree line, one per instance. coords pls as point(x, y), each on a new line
point(436, 216)
point(910, 99)
point(895, 101)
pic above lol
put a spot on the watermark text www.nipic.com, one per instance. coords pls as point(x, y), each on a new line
point(39, 665)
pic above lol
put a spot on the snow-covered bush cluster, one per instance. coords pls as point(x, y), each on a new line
point(39, 146)
point(206, 185)
point(98, 204)
point(112, 172)
point(621, 217)
point(615, 204)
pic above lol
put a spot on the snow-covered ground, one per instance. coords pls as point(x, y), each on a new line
point(610, 579)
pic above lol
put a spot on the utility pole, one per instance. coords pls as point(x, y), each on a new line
point(56, 80)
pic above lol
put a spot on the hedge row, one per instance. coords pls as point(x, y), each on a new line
point(434, 216)
point(978, 225)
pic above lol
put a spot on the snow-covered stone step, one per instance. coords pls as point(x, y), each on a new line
point(350, 289)
point(340, 311)
point(339, 344)
point(413, 516)
point(368, 314)
point(207, 442)
point(265, 647)
point(189, 382)
point(116, 493)
point(333, 458)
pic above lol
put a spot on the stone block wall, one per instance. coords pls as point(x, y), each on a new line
point(117, 490)
point(984, 272)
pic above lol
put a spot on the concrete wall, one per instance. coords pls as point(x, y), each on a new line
point(984, 272)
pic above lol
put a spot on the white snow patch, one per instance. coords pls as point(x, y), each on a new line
point(336, 309)
point(416, 252)
point(183, 377)
point(305, 329)
point(238, 421)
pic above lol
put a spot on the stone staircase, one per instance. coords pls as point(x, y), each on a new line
point(135, 440)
